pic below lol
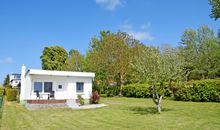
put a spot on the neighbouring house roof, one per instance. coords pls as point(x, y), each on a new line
point(60, 73)
point(15, 74)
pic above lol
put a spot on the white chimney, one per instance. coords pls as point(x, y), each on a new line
point(23, 70)
point(23, 82)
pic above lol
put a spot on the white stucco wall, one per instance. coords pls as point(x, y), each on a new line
point(68, 83)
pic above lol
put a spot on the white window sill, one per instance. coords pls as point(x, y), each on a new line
point(79, 92)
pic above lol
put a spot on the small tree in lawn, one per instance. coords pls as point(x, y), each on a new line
point(155, 67)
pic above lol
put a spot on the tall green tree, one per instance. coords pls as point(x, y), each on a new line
point(215, 12)
point(53, 58)
point(74, 61)
point(6, 80)
point(200, 53)
point(109, 56)
point(189, 52)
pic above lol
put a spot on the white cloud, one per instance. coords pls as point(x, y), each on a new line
point(145, 26)
point(140, 34)
point(7, 60)
point(125, 27)
point(109, 4)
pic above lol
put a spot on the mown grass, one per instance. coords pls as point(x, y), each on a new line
point(122, 113)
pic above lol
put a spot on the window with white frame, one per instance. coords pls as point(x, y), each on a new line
point(48, 86)
point(60, 86)
point(38, 86)
point(79, 87)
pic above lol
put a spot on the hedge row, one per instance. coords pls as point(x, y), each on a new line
point(203, 90)
point(142, 90)
point(112, 91)
point(11, 94)
point(136, 90)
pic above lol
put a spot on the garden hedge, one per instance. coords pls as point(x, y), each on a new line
point(202, 90)
point(1, 91)
point(136, 90)
point(11, 94)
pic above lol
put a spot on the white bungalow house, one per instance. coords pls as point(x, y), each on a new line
point(38, 85)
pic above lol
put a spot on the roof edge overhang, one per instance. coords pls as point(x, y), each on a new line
point(60, 73)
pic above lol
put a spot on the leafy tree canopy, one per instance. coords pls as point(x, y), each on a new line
point(53, 58)
point(74, 61)
point(215, 12)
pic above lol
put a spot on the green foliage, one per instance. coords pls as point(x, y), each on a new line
point(53, 58)
point(74, 61)
point(8, 86)
point(109, 56)
point(215, 9)
point(200, 90)
point(106, 91)
point(137, 90)
point(11, 94)
point(112, 91)
point(6, 80)
point(203, 90)
point(200, 54)
point(2, 90)
point(81, 99)
point(145, 90)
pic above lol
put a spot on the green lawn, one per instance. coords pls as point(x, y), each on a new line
point(122, 113)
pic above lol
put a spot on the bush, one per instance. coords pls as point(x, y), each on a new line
point(136, 90)
point(202, 90)
point(94, 98)
point(8, 86)
point(2, 90)
point(112, 91)
point(81, 99)
point(11, 94)
point(143, 90)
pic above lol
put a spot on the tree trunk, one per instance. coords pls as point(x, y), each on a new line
point(158, 108)
point(120, 91)
point(159, 104)
point(170, 85)
point(121, 85)
point(157, 99)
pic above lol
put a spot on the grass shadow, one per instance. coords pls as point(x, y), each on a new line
point(146, 110)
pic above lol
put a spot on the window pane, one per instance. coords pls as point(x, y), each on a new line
point(60, 86)
point(79, 87)
point(48, 86)
point(38, 86)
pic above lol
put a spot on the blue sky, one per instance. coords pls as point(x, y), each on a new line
point(27, 26)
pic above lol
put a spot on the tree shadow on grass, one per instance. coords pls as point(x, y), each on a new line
point(146, 110)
